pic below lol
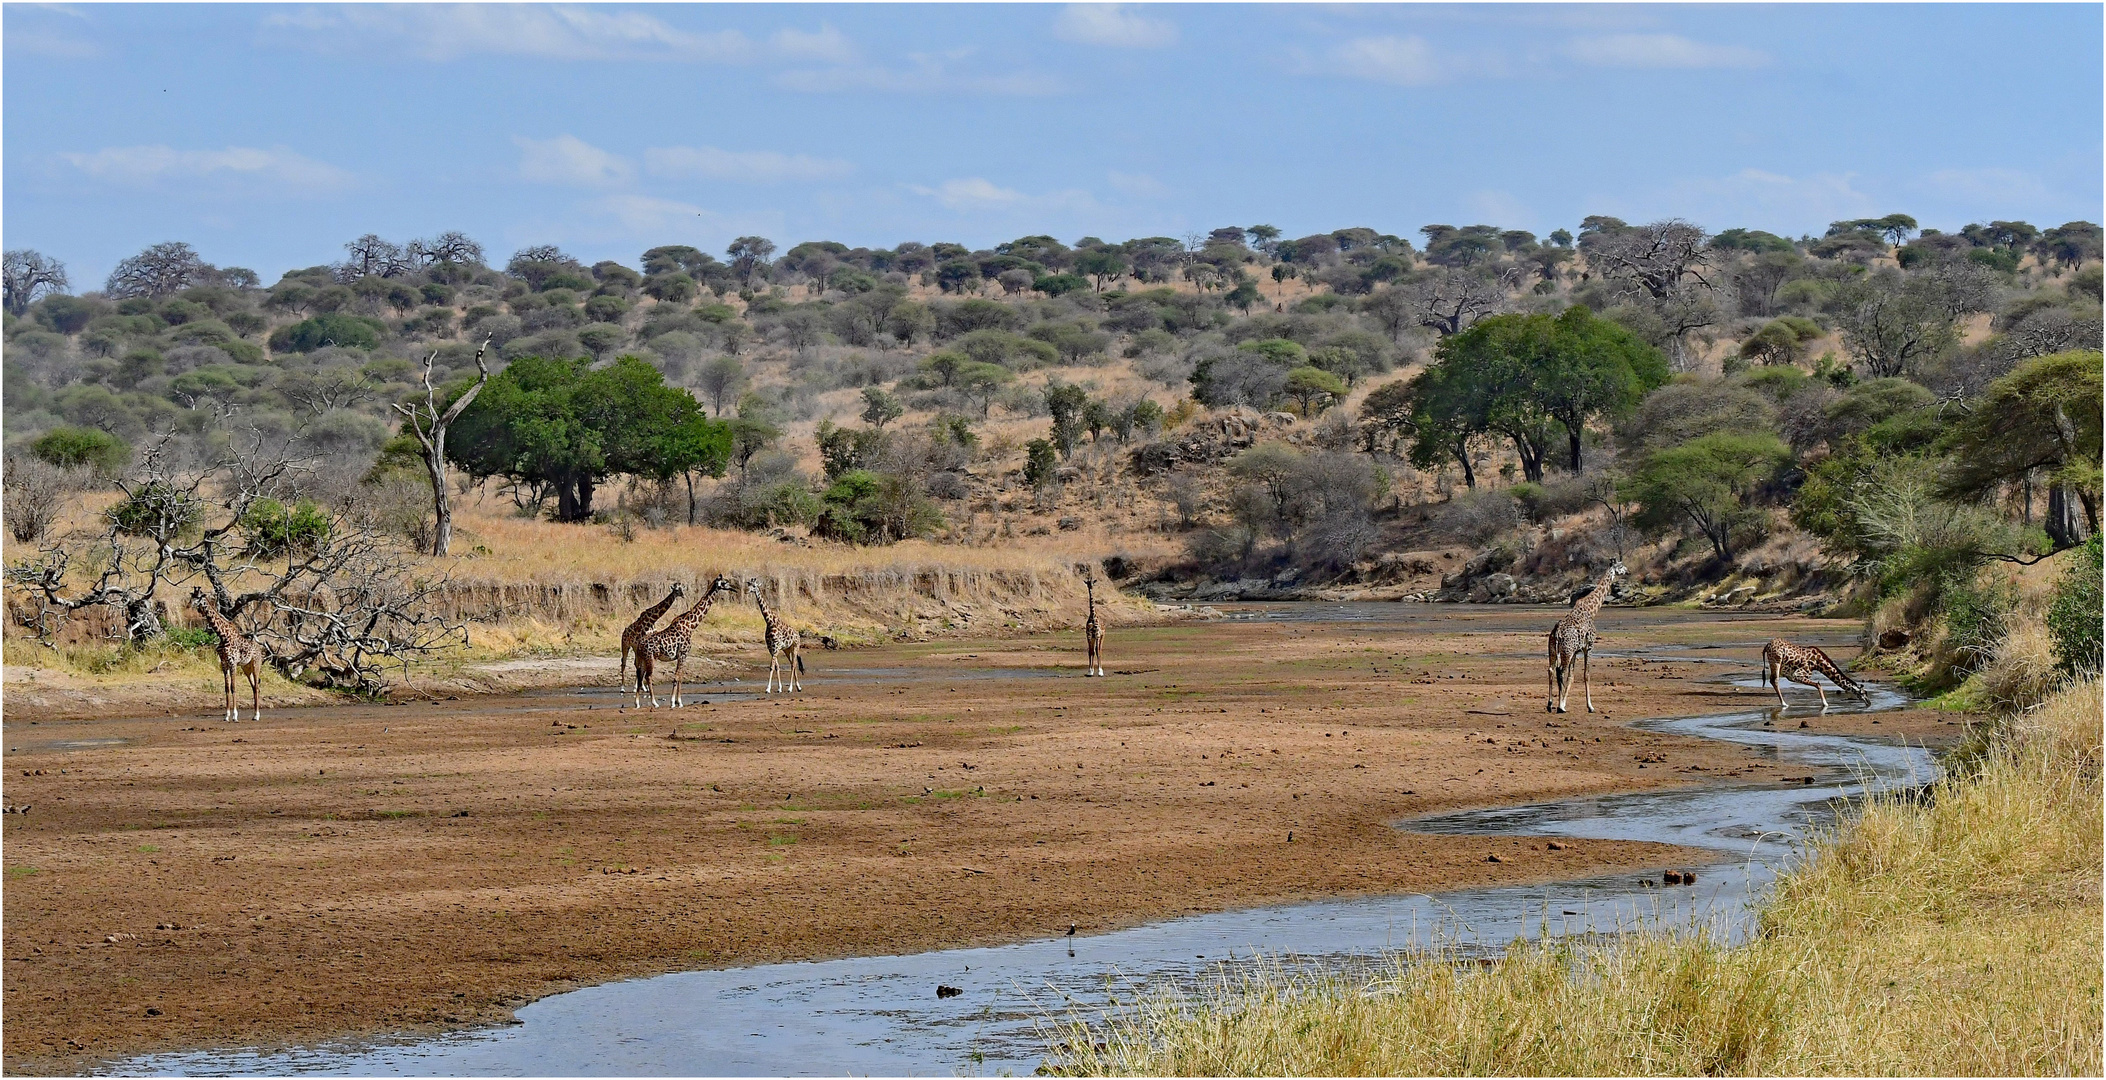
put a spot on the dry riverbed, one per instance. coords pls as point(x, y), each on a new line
point(363, 869)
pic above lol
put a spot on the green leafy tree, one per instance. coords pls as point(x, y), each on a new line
point(865, 507)
point(1521, 373)
point(1066, 403)
point(564, 425)
point(1315, 388)
point(881, 407)
point(2043, 417)
point(982, 382)
point(1707, 483)
point(1102, 265)
point(1041, 462)
point(2074, 613)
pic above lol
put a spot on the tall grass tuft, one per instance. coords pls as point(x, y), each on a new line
point(1956, 931)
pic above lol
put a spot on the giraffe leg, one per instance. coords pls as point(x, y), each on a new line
point(226, 676)
point(256, 687)
point(1772, 670)
point(1550, 695)
point(796, 665)
point(1587, 676)
point(774, 665)
point(679, 663)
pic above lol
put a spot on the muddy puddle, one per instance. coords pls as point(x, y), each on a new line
point(886, 1015)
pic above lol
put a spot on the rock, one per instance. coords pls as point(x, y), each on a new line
point(1555, 846)
point(1895, 638)
point(947, 991)
point(1493, 858)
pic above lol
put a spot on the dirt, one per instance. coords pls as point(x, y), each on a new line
point(363, 869)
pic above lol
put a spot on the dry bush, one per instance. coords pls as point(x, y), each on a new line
point(38, 494)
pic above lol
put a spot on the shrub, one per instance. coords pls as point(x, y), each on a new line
point(2074, 619)
point(68, 446)
point(1040, 462)
point(272, 528)
point(344, 331)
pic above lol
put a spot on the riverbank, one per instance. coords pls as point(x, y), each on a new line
point(1948, 935)
point(362, 870)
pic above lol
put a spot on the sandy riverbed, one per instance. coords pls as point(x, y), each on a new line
point(351, 870)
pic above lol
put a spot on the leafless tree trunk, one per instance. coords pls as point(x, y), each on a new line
point(429, 425)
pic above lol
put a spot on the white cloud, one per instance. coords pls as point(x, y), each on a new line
point(143, 165)
point(826, 44)
point(974, 193)
point(1139, 185)
point(1988, 186)
point(644, 214)
point(926, 74)
point(751, 166)
point(1113, 25)
point(1402, 61)
point(446, 31)
point(1660, 51)
point(572, 161)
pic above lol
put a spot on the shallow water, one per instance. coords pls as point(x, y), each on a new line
point(882, 1014)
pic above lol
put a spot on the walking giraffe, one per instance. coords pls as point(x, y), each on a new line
point(672, 643)
point(237, 652)
point(783, 641)
point(1093, 631)
point(1800, 663)
point(1573, 637)
point(643, 624)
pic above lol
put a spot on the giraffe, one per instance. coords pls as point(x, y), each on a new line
point(1093, 631)
point(237, 652)
point(672, 644)
point(782, 640)
point(1800, 663)
point(643, 624)
point(1573, 637)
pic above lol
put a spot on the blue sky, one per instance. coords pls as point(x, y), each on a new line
point(268, 135)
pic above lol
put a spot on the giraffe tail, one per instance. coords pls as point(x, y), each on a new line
point(622, 668)
point(800, 663)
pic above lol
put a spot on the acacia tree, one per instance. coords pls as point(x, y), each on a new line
point(2042, 417)
point(429, 423)
point(1707, 483)
point(1523, 376)
point(29, 274)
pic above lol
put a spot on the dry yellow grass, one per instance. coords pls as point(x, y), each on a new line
point(1954, 935)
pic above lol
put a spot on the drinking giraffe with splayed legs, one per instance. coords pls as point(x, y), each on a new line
point(1800, 663)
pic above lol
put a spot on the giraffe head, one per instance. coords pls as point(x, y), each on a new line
point(197, 598)
point(1618, 571)
point(722, 584)
point(679, 589)
point(753, 588)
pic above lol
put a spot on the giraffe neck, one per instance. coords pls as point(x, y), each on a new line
point(1591, 603)
point(767, 616)
point(693, 615)
point(652, 613)
point(221, 625)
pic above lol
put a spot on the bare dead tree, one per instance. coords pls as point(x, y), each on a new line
point(333, 603)
point(1656, 257)
point(1450, 301)
point(428, 423)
